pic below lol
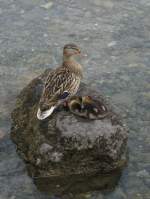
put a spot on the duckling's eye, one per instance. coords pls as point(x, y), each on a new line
point(89, 97)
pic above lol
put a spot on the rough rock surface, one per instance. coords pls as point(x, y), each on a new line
point(64, 143)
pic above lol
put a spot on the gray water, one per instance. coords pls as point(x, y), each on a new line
point(115, 34)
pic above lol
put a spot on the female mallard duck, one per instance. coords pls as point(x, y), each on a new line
point(87, 107)
point(61, 83)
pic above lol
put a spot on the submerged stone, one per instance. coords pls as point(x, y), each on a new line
point(65, 144)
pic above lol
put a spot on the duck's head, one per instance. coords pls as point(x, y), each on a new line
point(71, 50)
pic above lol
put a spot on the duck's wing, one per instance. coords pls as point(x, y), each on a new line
point(60, 84)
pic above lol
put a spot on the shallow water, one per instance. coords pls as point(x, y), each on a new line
point(116, 36)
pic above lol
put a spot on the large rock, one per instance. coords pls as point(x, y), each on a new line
point(65, 144)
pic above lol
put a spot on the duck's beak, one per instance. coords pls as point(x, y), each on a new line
point(83, 55)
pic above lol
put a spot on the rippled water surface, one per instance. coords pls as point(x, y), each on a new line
point(116, 36)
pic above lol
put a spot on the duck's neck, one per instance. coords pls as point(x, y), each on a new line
point(72, 65)
point(68, 58)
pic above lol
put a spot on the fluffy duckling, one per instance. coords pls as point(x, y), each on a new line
point(74, 104)
point(93, 109)
point(87, 107)
point(61, 83)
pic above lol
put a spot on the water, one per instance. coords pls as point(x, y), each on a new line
point(116, 36)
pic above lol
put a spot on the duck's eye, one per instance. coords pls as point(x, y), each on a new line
point(72, 51)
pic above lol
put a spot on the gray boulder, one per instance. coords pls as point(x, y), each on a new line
point(65, 144)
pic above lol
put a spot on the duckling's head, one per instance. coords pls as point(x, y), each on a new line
point(87, 99)
point(71, 50)
point(74, 104)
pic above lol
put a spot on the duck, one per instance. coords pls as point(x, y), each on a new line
point(87, 107)
point(61, 83)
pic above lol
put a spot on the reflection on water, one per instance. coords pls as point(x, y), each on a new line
point(115, 34)
point(77, 185)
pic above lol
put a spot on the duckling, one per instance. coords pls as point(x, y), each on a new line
point(93, 109)
point(87, 107)
point(62, 83)
point(74, 104)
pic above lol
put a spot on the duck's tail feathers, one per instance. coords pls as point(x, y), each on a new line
point(41, 115)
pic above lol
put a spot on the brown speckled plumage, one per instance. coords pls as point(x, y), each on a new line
point(65, 78)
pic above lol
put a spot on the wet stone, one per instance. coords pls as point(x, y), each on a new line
point(2, 134)
point(143, 174)
point(45, 148)
point(65, 142)
point(122, 69)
